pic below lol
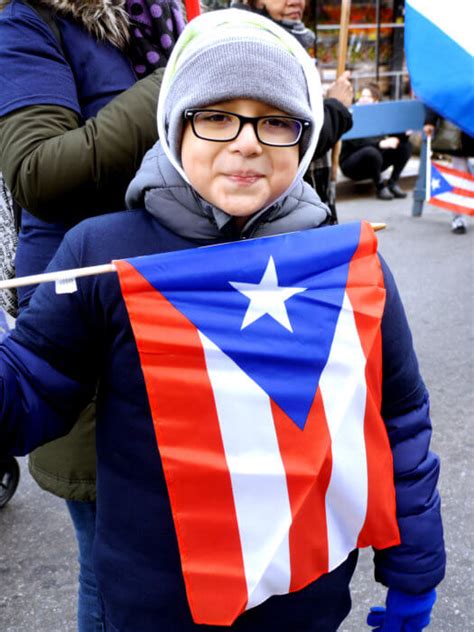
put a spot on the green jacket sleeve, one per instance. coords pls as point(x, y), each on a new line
point(61, 169)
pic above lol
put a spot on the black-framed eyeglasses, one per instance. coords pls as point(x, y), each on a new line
point(220, 126)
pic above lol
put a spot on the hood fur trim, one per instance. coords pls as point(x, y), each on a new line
point(104, 19)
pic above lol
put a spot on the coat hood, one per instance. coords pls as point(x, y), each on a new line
point(208, 32)
point(161, 184)
point(104, 19)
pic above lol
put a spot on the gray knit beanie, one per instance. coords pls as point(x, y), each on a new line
point(237, 60)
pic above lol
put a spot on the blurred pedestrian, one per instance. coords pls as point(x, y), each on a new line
point(450, 140)
point(367, 158)
point(75, 122)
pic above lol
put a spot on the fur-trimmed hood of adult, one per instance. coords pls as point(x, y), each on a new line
point(104, 19)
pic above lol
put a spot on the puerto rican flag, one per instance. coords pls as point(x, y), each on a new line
point(451, 189)
point(262, 362)
point(439, 47)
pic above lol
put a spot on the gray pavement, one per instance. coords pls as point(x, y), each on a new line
point(434, 271)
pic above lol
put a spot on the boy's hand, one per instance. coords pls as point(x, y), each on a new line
point(403, 612)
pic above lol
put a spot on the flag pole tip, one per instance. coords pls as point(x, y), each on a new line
point(378, 226)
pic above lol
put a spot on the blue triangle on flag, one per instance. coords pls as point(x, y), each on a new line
point(438, 183)
point(201, 283)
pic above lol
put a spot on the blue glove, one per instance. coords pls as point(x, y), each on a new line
point(403, 612)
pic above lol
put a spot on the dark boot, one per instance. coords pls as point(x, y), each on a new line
point(395, 189)
point(383, 192)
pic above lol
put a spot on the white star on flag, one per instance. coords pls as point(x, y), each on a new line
point(267, 297)
point(435, 184)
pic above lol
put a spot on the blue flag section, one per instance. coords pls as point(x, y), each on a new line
point(438, 183)
point(264, 302)
point(439, 47)
point(451, 189)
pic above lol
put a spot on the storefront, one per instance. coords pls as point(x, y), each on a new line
point(375, 42)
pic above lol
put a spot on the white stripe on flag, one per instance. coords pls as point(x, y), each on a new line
point(458, 181)
point(428, 169)
point(454, 18)
point(343, 389)
point(453, 198)
point(257, 473)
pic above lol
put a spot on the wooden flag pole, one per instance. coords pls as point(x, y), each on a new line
point(61, 275)
point(75, 273)
point(341, 64)
point(343, 36)
point(378, 226)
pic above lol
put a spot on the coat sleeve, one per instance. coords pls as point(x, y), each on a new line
point(418, 563)
point(61, 169)
point(48, 364)
point(38, 403)
point(58, 166)
point(337, 121)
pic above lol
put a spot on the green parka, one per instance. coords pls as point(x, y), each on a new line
point(55, 163)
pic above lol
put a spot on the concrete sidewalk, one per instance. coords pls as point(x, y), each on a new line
point(434, 272)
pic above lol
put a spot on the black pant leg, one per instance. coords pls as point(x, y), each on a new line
point(365, 163)
point(397, 158)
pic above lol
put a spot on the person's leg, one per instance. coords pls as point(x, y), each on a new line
point(363, 164)
point(89, 608)
point(458, 222)
point(397, 158)
point(366, 163)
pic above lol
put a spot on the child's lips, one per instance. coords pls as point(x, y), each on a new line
point(244, 177)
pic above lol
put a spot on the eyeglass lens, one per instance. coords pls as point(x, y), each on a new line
point(222, 126)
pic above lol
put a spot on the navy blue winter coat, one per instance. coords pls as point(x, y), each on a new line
point(65, 344)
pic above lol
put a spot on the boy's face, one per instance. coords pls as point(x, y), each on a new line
point(240, 176)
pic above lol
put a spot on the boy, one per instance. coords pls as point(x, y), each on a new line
point(229, 166)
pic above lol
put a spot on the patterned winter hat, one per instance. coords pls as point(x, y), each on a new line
point(233, 54)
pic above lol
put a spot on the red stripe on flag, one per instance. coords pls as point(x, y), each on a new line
point(187, 430)
point(454, 172)
point(306, 455)
point(380, 528)
point(449, 206)
point(463, 192)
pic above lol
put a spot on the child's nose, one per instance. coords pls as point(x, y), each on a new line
point(247, 141)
